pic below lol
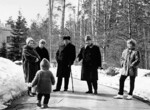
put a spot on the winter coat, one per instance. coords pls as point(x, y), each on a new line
point(130, 59)
point(43, 53)
point(30, 66)
point(65, 57)
point(44, 78)
point(91, 60)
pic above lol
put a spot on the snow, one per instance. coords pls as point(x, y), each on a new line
point(12, 81)
point(142, 83)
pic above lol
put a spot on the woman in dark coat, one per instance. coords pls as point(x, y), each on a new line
point(91, 60)
point(30, 59)
point(42, 51)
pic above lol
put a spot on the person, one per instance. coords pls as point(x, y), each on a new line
point(30, 60)
point(42, 51)
point(44, 80)
point(65, 57)
point(91, 60)
point(129, 61)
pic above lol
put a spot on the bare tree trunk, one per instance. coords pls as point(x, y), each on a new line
point(50, 25)
point(63, 18)
point(129, 19)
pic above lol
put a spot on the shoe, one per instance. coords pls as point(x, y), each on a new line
point(89, 92)
point(44, 106)
point(29, 90)
point(65, 90)
point(129, 97)
point(56, 90)
point(95, 92)
point(39, 104)
point(118, 96)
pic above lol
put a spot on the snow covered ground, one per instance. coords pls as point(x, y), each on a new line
point(12, 82)
point(142, 88)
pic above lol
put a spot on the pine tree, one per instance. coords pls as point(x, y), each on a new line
point(3, 50)
point(19, 33)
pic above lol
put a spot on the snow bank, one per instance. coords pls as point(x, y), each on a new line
point(11, 81)
point(142, 83)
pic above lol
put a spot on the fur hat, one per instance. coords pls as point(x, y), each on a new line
point(29, 39)
point(87, 38)
point(45, 65)
point(66, 38)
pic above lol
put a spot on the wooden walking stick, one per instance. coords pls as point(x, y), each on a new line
point(72, 81)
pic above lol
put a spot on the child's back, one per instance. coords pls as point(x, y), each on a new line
point(44, 80)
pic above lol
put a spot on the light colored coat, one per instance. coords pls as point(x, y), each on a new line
point(130, 60)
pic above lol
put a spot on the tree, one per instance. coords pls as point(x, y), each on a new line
point(3, 50)
point(17, 39)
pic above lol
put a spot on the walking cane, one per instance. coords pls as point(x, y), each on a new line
point(72, 81)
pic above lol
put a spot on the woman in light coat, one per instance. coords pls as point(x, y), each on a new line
point(129, 61)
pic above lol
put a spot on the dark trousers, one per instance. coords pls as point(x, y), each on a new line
point(122, 81)
point(46, 97)
point(92, 83)
point(59, 83)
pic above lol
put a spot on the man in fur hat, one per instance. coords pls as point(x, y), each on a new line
point(65, 57)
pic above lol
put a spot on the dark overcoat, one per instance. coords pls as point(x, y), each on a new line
point(65, 57)
point(130, 60)
point(43, 53)
point(91, 60)
point(30, 66)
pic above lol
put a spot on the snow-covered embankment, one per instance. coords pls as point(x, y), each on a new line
point(12, 82)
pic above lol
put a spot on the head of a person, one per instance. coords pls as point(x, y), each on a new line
point(88, 40)
point(131, 44)
point(44, 64)
point(66, 40)
point(30, 42)
point(42, 43)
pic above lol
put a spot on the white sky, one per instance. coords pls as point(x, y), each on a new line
point(29, 9)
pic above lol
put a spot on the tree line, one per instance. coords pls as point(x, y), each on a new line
point(109, 22)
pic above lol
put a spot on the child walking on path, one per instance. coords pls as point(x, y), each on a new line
point(44, 80)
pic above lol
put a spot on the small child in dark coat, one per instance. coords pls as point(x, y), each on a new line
point(44, 80)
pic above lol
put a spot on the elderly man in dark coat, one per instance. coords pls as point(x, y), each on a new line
point(42, 51)
point(130, 60)
point(65, 57)
point(30, 58)
point(91, 60)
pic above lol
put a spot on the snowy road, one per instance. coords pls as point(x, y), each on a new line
point(81, 101)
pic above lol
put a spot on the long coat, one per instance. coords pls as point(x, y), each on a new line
point(65, 57)
point(130, 59)
point(30, 66)
point(91, 60)
point(43, 53)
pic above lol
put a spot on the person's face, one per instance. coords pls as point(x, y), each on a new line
point(31, 44)
point(88, 42)
point(129, 46)
point(66, 42)
point(41, 44)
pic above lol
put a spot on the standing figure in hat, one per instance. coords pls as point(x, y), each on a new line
point(30, 60)
point(91, 60)
point(65, 57)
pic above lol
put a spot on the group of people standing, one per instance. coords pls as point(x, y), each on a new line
point(36, 66)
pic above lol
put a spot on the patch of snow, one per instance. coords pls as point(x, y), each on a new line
point(12, 81)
